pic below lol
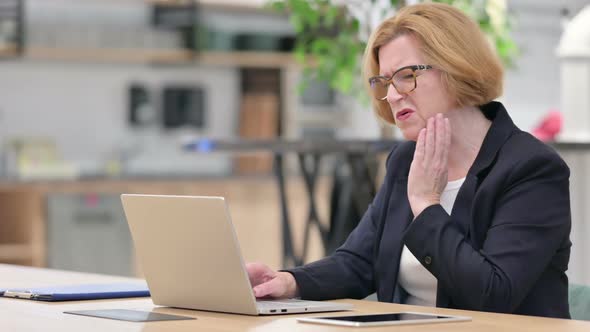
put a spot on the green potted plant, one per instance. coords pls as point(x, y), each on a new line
point(331, 34)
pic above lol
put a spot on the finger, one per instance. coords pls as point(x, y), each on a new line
point(439, 143)
point(254, 268)
point(429, 145)
point(273, 288)
point(419, 152)
point(259, 273)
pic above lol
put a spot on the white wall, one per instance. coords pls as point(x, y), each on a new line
point(84, 109)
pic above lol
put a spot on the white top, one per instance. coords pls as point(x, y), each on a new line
point(417, 281)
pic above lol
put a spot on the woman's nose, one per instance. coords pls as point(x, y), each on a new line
point(392, 94)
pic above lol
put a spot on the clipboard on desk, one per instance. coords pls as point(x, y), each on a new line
point(79, 292)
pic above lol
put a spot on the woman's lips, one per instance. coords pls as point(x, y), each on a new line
point(404, 114)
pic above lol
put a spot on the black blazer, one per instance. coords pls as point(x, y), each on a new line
point(504, 248)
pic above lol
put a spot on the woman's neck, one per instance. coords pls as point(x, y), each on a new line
point(469, 127)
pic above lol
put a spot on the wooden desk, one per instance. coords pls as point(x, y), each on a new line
point(24, 315)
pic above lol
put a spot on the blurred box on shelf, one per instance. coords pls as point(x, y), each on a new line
point(36, 158)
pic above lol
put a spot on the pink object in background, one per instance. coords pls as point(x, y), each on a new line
point(549, 126)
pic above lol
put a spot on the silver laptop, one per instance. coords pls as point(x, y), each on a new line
point(190, 257)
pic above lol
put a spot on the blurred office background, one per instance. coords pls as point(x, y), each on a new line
point(101, 97)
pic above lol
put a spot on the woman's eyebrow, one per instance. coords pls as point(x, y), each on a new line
point(390, 72)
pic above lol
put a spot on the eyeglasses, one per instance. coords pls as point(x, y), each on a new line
point(403, 80)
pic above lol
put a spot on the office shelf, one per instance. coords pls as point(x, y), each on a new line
point(107, 55)
point(179, 56)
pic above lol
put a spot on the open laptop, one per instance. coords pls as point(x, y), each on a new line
point(191, 258)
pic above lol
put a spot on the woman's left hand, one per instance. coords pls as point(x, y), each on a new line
point(429, 170)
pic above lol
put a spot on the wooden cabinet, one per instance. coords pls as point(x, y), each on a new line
point(22, 227)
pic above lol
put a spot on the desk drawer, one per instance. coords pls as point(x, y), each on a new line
point(88, 232)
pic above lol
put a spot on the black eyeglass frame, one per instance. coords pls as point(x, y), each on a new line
point(389, 80)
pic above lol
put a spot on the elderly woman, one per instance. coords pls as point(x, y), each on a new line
point(473, 213)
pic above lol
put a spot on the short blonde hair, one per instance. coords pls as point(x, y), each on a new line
point(451, 42)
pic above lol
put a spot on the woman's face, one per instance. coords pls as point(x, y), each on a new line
point(411, 110)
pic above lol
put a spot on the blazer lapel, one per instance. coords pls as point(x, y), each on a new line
point(461, 212)
point(501, 129)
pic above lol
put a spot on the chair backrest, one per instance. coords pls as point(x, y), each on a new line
point(579, 298)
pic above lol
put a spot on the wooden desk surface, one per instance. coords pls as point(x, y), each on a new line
point(24, 315)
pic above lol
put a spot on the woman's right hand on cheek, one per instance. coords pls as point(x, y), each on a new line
point(269, 283)
point(428, 175)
